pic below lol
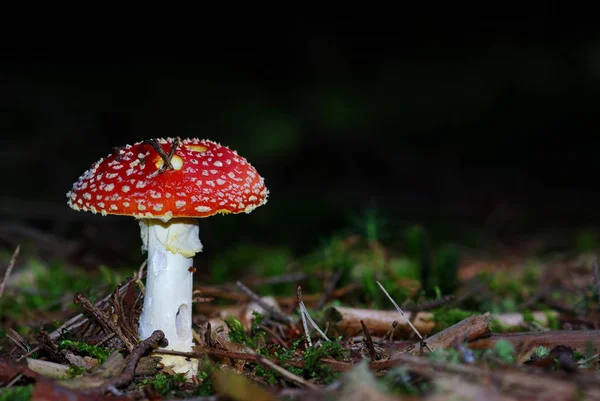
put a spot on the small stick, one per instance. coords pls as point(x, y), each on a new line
point(277, 315)
point(369, 341)
point(275, 335)
point(304, 324)
point(9, 269)
point(161, 152)
point(207, 336)
point(174, 146)
point(400, 310)
point(107, 324)
point(75, 322)
point(128, 373)
point(330, 288)
point(14, 380)
point(304, 312)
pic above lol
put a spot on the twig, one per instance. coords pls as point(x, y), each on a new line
point(277, 315)
point(161, 152)
point(9, 269)
point(75, 322)
point(304, 324)
point(579, 340)
point(275, 335)
point(14, 380)
point(107, 324)
point(304, 312)
point(468, 329)
point(17, 339)
point(207, 336)
point(174, 146)
point(369, 341)
point(330, 288)
point(400, 310)
point(129, 372)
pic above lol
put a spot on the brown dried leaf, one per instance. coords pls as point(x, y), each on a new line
point(47, 390)
point(238, 388)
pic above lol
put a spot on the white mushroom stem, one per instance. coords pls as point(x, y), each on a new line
point(171, 248)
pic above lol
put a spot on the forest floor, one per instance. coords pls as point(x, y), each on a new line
point(516, 322)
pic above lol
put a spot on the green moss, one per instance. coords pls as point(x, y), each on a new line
point(236, 330)
point(165, 384)
point(498, 327)
point(74, 371)
point(553, 322)
point(254, 339)
point(505, 351)
point(21, 393)
point(445, 354)
point(205, 374)
point(314, 368)
point(100, 353)
point(528, 316)
point(445, 317)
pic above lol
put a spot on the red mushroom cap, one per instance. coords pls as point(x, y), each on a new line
point(207, 178)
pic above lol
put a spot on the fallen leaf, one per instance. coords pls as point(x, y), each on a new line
point(237, 387)
point(47, 390)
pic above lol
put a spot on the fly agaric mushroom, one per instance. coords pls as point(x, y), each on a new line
point(167, 184)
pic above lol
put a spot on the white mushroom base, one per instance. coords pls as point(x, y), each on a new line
point(171, 248)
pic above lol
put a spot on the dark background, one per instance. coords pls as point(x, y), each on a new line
point(451, 121)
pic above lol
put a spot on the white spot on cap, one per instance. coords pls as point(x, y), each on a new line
point(202, 209)
point(179, 204)
point(109, 187)
point(158, 207)
point(113, 207)
point(218, 164)
point(141, 207)
point(125, 188)
point(220, 181)
point(126, 204)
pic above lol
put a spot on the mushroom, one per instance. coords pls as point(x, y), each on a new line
point(167, 184)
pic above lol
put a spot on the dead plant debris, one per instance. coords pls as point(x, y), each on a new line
point(356, 325)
